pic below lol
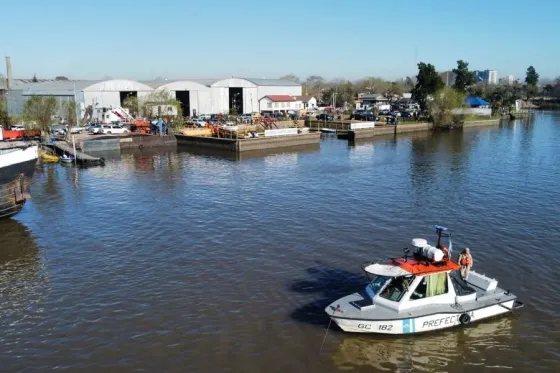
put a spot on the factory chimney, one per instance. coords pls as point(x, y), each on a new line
point(9, 71)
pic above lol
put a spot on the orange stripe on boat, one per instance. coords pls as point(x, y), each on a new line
point(416, 268)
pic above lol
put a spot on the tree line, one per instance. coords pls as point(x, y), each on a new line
point(425, 84)
point(345, 91)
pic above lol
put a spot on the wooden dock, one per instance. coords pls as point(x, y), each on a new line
point(81, 158)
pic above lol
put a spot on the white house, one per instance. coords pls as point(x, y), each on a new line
point(281, 103)
point(309, 102)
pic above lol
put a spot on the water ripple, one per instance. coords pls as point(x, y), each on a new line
point(174, 261)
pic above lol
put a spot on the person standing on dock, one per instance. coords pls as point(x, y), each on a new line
point(466, 262)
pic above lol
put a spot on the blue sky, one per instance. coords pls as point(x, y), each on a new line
point(335, 39)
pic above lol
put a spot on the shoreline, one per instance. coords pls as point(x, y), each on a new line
point(414, 127)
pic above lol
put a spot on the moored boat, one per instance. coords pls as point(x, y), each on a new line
point(17, 167)
point(67, 158)
point(49, 158)
point(419, 293)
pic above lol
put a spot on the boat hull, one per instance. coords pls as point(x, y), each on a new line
point(16, 174)
point(422, 324)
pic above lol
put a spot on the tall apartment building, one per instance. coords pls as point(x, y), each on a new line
point(448, 78)
point(486, 76)
point(508, 80)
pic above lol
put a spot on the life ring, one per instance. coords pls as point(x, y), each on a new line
point(465, 318)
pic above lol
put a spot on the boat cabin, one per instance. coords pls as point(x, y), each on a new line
point(429, 278)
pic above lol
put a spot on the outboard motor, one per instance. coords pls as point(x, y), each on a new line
point(427, 252)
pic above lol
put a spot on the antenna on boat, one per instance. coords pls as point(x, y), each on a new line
point(443, 232)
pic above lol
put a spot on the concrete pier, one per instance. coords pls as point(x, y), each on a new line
point(110, 143)
point(81, 158)
point(410, 127)
point(246, 145)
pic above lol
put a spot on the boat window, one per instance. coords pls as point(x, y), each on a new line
point(378, 282)
point(430, 286)
point(396, 289)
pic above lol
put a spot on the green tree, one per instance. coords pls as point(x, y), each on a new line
point(343, 93)
point(409, 83)
point(547, 90)
point(392, 89)
point(39, 110)
point(530, 90)
point(70, 111)
point(463, 77)
point(371, 85)
point(428, 82)
point(503, 98)
point(61, 78)
point(132, 104)
point(314, 85)
point(477, 90)
point(69, 108)
point(531, 81)
point(443, 108)
point(4, 117)
point(34, 80)
point(153, 105)
point(532, 77)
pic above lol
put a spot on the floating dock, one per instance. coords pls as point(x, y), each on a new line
point(249, 144)
point(81, 158)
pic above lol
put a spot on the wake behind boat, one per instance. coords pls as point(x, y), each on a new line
point(420, 293)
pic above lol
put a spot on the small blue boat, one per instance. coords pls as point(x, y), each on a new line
point(65, 158)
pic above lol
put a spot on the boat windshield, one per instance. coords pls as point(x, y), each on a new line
point(378, 283)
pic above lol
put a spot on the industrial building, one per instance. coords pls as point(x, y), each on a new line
point(98, 94)
point(197, 96)
point(231, 95)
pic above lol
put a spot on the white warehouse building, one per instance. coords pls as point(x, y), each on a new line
point(197, 96)
point(213, 96)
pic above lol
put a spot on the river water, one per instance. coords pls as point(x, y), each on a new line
point(169, 261)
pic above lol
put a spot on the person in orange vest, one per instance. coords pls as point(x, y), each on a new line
point(466, 262)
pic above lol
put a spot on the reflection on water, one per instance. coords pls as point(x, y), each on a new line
point(22, 273)
point(433, 352)
point(253, 154)
point(162, 259)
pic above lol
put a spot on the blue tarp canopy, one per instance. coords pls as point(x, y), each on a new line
point(475, 101)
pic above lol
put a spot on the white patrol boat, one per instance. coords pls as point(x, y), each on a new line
point(420, 293)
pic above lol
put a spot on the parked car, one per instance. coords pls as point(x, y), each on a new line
point(77, 129)
point(94, 128)
point(58, 129)
point(396, 113)
point(407, 114)
point(17, 127)
point(109, 129)
point(324, 116)
point(369, 116)
point(245, 118)
point(357, 114)
point(384, 112)
point(199, 122)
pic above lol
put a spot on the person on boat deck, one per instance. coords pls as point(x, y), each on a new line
point(466, 262)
